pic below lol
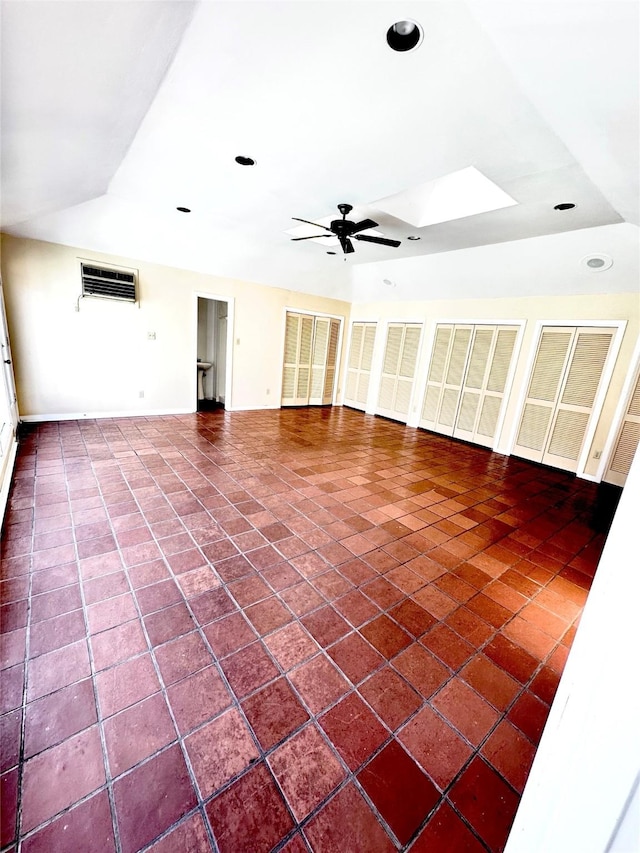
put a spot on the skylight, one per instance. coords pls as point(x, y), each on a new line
point(466, 192)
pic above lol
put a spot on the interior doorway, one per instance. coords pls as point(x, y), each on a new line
point(211, 353)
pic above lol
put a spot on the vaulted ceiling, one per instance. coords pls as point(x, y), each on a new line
point(116, 113)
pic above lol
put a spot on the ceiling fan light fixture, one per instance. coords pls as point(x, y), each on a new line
point(404, 35)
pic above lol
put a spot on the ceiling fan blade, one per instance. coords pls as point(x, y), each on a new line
point(362, 226)
point(347, 245)
point(383, 241)
point(297, 219)
point(313, 237)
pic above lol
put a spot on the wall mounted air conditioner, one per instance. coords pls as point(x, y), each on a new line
point(108, 282)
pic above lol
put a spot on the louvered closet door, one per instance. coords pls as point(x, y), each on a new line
point(319, 360)
point(484, 383)
point(566, 376)
point(398, 370)
point(363, 337)
point(446, 374)
point(296, 376)
point(626, 442)
point(331, 362)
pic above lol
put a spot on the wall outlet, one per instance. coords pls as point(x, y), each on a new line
point(140, 394)
point(268, 391)
point(151, 336)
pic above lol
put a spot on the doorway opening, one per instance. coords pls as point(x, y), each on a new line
point(211, 355)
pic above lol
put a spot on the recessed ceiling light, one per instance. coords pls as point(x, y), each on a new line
point(404, 35)
point(413, 237)
point(566, 205)
point(597, 263)
point(184, 209)
point(330, 253)
point(245, 161)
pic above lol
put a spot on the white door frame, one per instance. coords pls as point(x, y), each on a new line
point(230, 303)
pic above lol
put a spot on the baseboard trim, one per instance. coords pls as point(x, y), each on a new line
point(86, 416)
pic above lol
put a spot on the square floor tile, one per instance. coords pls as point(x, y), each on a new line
point(413, 618)
point(356, 607)
point(509, 751)
point(325, 626)
point(291, 645)
point(125, 684)
point(55, 670)
point(355, 657)
point(182, 656)
point(386, 636)
point(399, 789)
point(268, 615)
point(59, 715)
point(250, 816)
point(151, 798)
point(319, 683)
point(490, 681)
point(220, 750)
point(436, 746)
point(466, 710)
point(486, 801)
point(354, 730)
point(393, 700)
point(76, 765)
point(249, 669)
point(529, 714)
point(421, 669)
point(198, 698)
point(138, 732)
point(86, 827)
point(189, 836)
point(347, 823)
point(118, 644)
point(447, 831)
point(229, 634)
point(274, 712)
point(307, 770)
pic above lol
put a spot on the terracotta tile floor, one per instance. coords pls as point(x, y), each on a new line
point(295, 630)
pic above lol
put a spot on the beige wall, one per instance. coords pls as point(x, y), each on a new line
point(96, 360)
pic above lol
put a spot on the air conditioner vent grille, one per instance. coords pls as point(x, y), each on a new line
point(108, 283)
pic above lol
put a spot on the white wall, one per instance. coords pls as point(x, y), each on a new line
point(96, 360)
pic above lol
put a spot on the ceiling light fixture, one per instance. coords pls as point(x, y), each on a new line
point(184, 209)
point(404, 35)
point(245, 161)
point(413, 237)
point(566, 205)
point(330, 253)
point(597, 263)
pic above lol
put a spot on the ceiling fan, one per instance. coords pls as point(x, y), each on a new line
point(344, 230)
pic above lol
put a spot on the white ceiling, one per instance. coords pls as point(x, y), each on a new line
point(114, 113)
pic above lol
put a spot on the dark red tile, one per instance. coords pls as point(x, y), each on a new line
point(114, 611)
point(55, 633)
point(466, 710)
point(291, 645)
point(469, 626)
point(8, 807)
point(490, 681)
point(513, 659)
point(325, 626)
point(85, 827)
point(198, 698)
point(436, 746)
point(447, 831)
point(391, 697)
point(383, 593)
point(529, 714)
point(125, 684)
point(268, 615)
point(189, 836)
point(169, 623)
point(306, 770)
point(319, 683)
point(489, 610)
point(157, 596)
point(118, 644)
point(181, 657)
point(399, 789)
point(211, 605)
point(249, 669)
point(386, 636)
point(356, 607)
point(421, 669)
point(137, 732)
point(76, 765)
point(545, 684)
point(413, 618)
point(250, 816)
point(106, 586)
point(274, 713)
point(152, 798)
point(220, 750)
point(12, 686)
point(302, 598)
point(509, 751)
point(448, 646)
point(229, 634)
point(50, 604)
point(280, 576)
point(249, 590)
point(59, 715)
point(355, 657)
point(354, 730)
point(57, 669)
point(10, 726)
point(486, 801)
point(347, 823)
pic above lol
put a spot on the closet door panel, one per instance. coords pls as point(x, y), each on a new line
point(359, 367)
point(439, 359)
point(398, 371)
point(627, 442)
point(319, 360)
